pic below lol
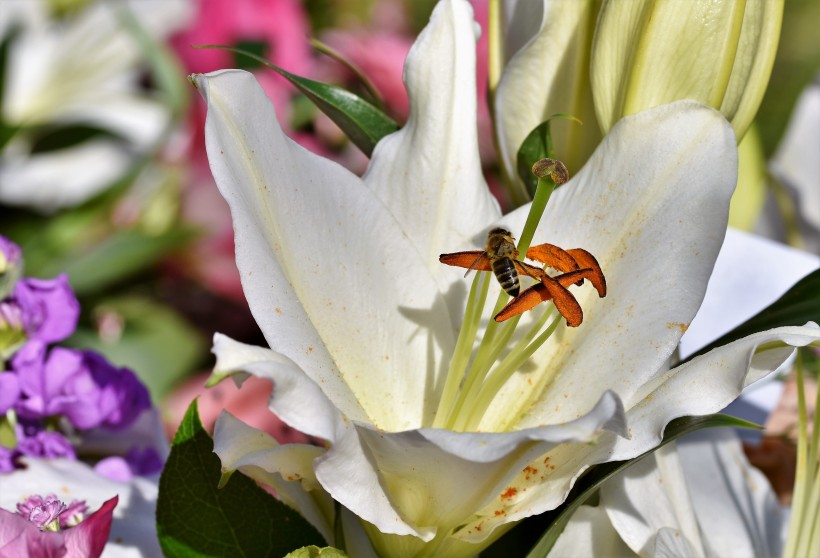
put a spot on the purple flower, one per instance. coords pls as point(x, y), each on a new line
point(42, 511)
point(8, 459)
point(9, 391)
point(44, 443)
point(49, 308)
point(73, 514)
point(137, 462)
point(81, 385)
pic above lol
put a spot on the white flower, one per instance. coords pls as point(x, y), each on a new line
point(82, 70)
point(696, 498)
point(342, 276)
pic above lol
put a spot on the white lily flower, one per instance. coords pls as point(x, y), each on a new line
point(133, 530)
point(697, 498)
point(83, 70)
point(342, 276)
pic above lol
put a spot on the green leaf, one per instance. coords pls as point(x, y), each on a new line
point(536, 146)
point(799, 305)
point(155, 342)
point(363, 123)
point(115, 258)
point(315, 552)
point(195, 519)
point(595, 476)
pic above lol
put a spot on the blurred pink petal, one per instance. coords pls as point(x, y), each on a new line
point(249, 404)
point(281, 24)
point(21, 537)
point(87, 540)
point(380, 56)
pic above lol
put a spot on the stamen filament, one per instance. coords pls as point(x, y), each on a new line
point(523, 350)
point(464, 346)
point(481, 363)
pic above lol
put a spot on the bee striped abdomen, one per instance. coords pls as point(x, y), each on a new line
point(507, 276)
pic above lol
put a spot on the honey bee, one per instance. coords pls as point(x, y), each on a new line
point(501, 257)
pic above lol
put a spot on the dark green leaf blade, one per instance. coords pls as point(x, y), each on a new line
point(362, 122)
point(596, 475)
point(195, 519)
point(799, 305)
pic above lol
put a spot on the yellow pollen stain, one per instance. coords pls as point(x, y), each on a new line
point(681, 326)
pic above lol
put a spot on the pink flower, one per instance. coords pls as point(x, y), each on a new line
point(21, 537)
point(281, 25)
point(380, 56)
point(249, 404)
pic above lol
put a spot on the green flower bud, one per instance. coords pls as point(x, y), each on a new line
point(651, 52)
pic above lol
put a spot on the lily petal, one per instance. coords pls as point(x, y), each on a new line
point(419, 482)
point(706, 384)
point(748, 520)
point(426, 172)
point(651, 496)
point(287, 468)
point(80, 171)
point(589, 533)
point(655, 224)
point(306, 291)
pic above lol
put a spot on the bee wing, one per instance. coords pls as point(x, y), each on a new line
point(471, 259)
point(595, 275)
point(547, 289)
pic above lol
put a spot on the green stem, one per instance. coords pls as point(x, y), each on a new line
point(795, 541)
point(542, 195)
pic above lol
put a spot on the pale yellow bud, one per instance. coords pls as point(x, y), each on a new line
point(651, 52)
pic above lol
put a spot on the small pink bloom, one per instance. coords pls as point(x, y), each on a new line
point(21, 537)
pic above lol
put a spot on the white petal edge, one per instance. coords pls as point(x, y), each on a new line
point(63, 178)
point(795, 162)
point(438, 480)
point(706, 384)
point(295, 399)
